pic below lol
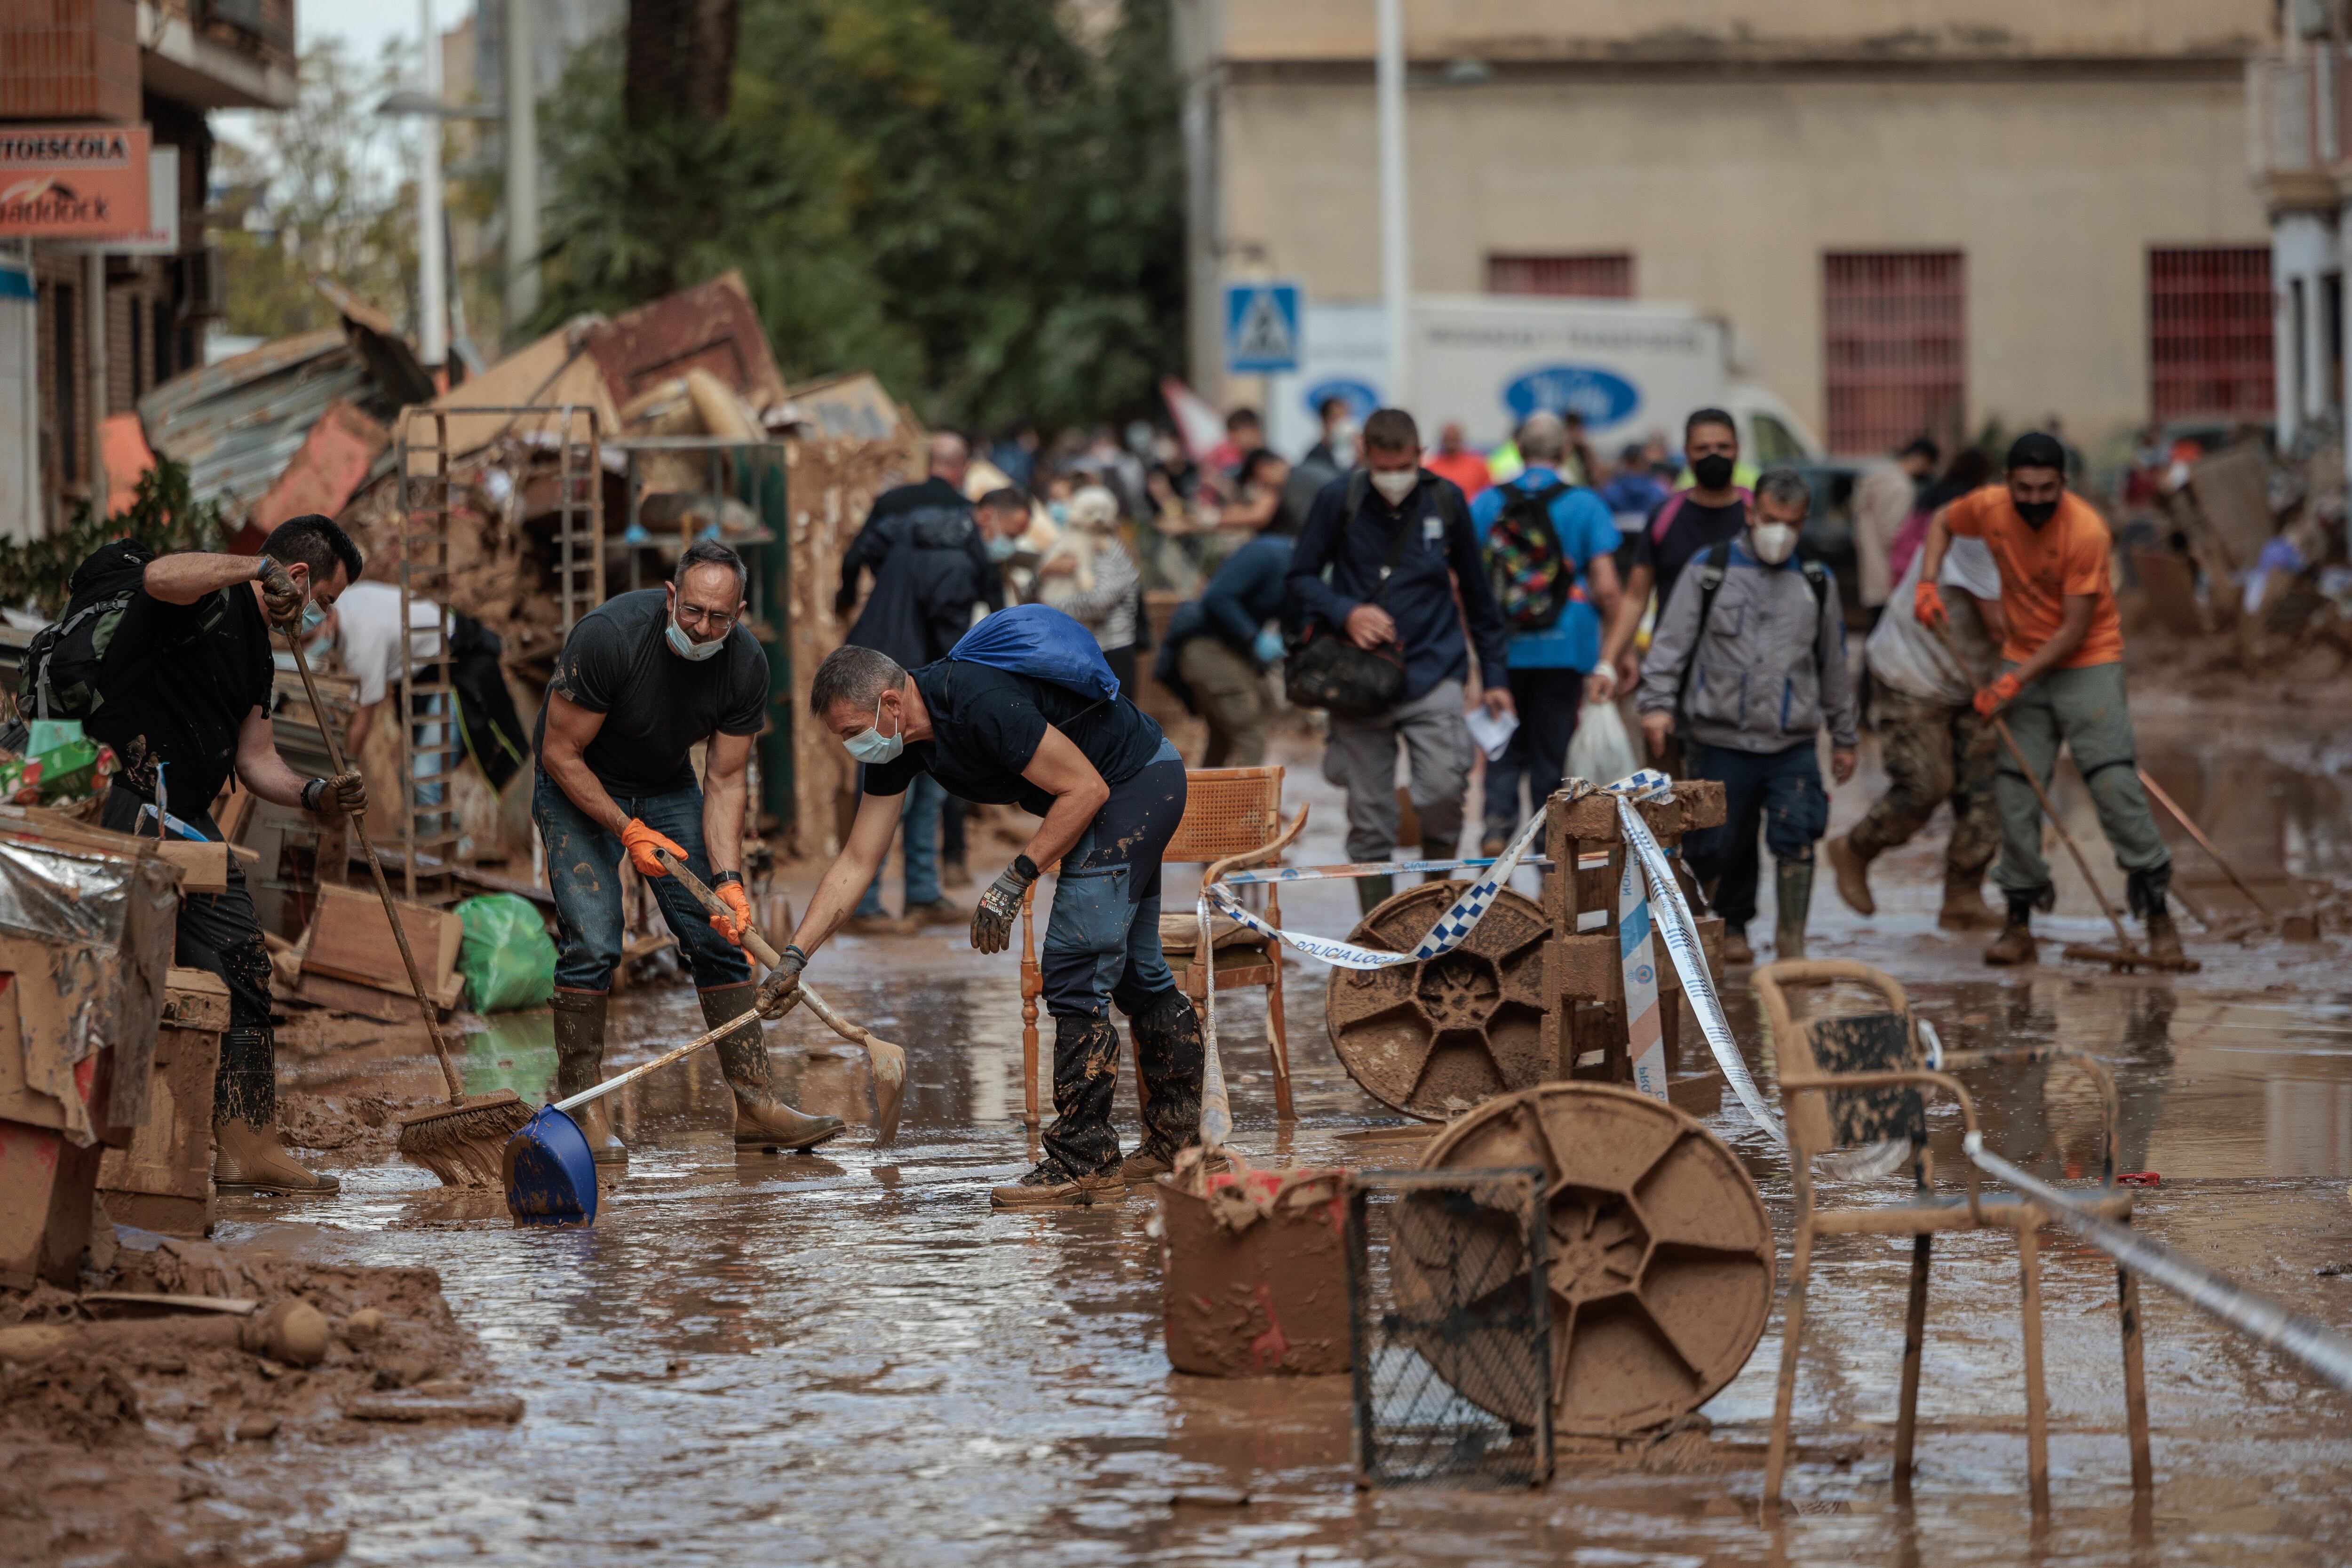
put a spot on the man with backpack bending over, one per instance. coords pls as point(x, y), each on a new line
point(167, 659)
point(1025, 711)
point(1550, 549)
point(1748, 661)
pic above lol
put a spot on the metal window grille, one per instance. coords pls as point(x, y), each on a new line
point(1600, 275)
point(1895, 358)
point(2209, 331)
point(1451, 1320)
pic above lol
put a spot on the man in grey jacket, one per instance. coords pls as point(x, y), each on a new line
point(1748, 661)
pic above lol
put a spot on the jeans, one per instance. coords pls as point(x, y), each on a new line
point(1780, 791)
point(1548, 701)
point(583, 870)
point(919, 818)
point(1102, 939)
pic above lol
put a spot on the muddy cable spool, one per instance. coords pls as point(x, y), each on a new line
point(1435, 1038)
point(1659, 1256)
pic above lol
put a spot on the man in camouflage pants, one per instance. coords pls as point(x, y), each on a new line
point(1931, 742)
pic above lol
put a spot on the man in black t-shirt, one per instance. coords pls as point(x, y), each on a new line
point(1110, 788)
point(642, 678)
point(1683, 527)
point(183, 689)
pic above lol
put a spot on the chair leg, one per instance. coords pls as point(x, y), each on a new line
point(1032, 984)
point(1915, 1331)
point(1792, 1332)
point(1280, 1035)
point(2143, 1466)
point(2037, 1406)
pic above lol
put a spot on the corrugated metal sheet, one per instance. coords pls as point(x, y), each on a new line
point(237, 424)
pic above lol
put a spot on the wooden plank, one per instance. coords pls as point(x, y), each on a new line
point(351, 941)
point(204, 868)
point(196, 999)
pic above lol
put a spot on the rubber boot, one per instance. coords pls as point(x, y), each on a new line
point(2145, 890)
point(1851, 864)
point(1081, 1165)
point(1172, 1059)
point(761, 1120)
point(2015, 944)
point(1792, 881)
point(1441, 852)
point(580, 1065)
point(1965, 908)
point(247, 1155)
point(1735, 945)
point(1372, 892)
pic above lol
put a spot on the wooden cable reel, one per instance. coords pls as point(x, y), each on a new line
point(1658, 1251)
point(1433, 1039)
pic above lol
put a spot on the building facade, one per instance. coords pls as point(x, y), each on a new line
point(2300, 151)
point(85, 332)
point(1914, 216)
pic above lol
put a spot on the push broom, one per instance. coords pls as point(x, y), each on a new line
point(461, 1143)
point(2124, 956)
point(887, 1061)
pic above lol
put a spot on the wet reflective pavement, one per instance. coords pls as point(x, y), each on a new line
point(847, 1357)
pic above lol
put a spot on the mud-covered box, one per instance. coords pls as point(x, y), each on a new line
point(1254, 1274)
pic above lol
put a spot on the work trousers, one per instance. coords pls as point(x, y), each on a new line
point(1934, 752)
point(2087, 710)
point(1102, 937)
point(1360, 758)
point(220, 933)
point(1548, 701)
point(919, 826)
point(1778, 792)
point(1231, 697)
point(583, 871)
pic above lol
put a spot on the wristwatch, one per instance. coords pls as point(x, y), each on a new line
point(719, 878)
point(310, 794)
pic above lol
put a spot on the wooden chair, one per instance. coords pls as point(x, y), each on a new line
point(1232, 817)
point(1851, 1080)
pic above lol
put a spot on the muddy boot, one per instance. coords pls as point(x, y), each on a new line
point(2015, 943)
point(580, 1065)
point(1372, 892)
point(1965, 908)
point(1851, 864)
point(1081, 1163)
point(246, 1155)
point(1792, 881)
point(2145, 890)
point(1735, 945)
point(761, 1120)
point(1172, 1058)
point(940, 912)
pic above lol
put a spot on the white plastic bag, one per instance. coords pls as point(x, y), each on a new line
point(1601, 749)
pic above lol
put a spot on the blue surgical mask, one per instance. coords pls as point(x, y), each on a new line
point(871, 747)
point(1059, 510)
point(1002, 550)
point(313, 617)
point(686, 647)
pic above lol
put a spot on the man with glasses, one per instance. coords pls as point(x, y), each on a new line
point(640, 682)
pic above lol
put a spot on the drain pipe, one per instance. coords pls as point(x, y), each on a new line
point(2324, 1353)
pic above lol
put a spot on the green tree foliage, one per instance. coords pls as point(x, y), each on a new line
point(163, 515)
point(965, 196)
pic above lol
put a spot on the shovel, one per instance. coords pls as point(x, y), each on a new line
point(889, 1062)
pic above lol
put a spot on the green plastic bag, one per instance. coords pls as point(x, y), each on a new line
point(506, 957)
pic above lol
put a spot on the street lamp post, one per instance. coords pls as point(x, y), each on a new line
point(1396, 261)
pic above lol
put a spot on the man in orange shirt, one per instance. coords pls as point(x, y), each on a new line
point(1452, 461)
point(2061, 678)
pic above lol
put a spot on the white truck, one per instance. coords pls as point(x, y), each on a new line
point(1629, 366)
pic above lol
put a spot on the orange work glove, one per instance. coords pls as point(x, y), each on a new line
point(1997, 695)
point(641, 842)
point(1927, 604)
point(733, 895)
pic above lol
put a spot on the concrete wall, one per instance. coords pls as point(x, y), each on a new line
point(1727, 188)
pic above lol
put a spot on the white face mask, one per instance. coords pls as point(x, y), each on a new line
point(1772, 542)
point(1397, 485)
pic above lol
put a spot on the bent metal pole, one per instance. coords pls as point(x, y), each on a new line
point(2320, 1349)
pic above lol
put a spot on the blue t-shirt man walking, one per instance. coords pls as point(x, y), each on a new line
point(1547, 665)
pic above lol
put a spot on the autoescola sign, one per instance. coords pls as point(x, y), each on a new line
point(73, 182)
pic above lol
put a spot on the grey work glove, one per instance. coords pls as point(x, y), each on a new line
point(992, 923)
point(346, 792)
point(281, 594)
point(782, 988)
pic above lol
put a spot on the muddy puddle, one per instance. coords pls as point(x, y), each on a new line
point(848, 1358)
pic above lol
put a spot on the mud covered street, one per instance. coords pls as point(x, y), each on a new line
point(847, 1357)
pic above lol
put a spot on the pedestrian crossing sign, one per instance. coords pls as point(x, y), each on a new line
point(1261, 327)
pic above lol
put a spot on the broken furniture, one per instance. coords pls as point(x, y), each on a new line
point(161, 1180)
point(1659, 1258)
point(1232, 817)
point(1858, 1080)
point(1535, 995)
point(350, 961)
point(85, 935)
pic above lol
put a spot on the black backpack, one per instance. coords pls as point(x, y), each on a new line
point(1529, 567)
point(58, 678)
